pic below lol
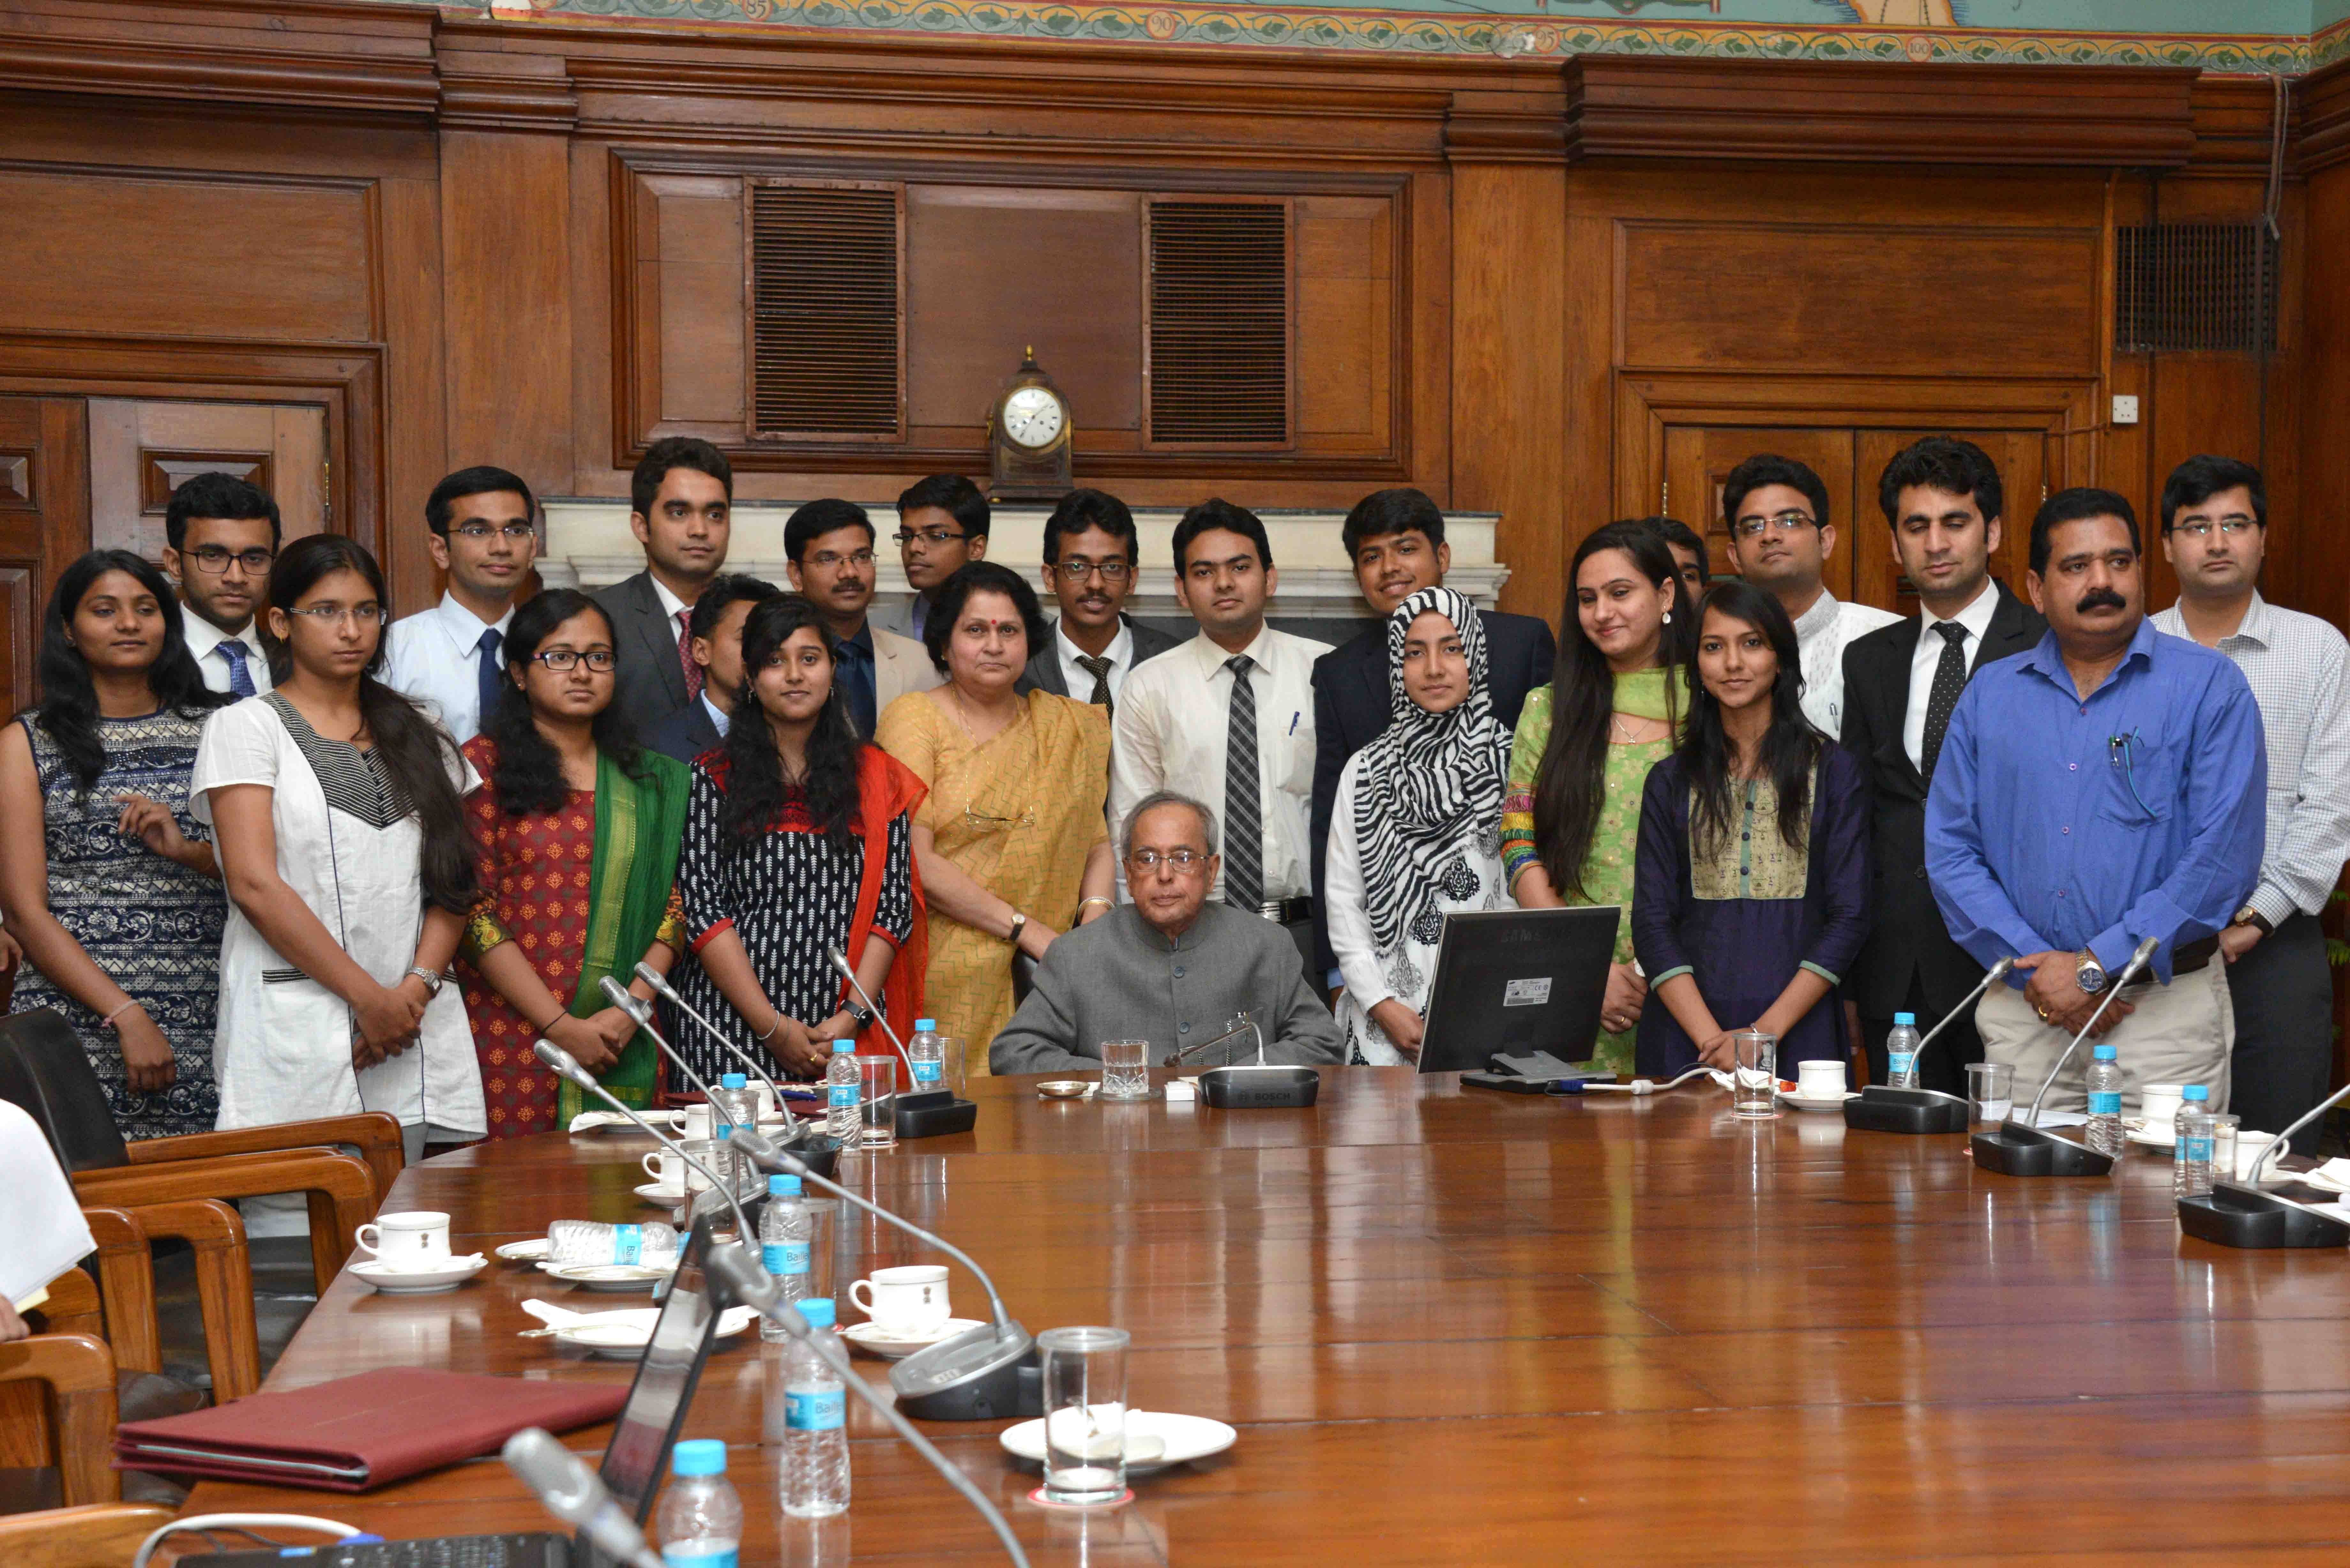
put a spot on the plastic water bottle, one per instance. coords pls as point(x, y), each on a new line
point(2190, 1169)
point(844, 1119)
point(1901, 1052)
point(700, 1521)
point(926, 1059)
point(2105, 1081)
point(732, 1106)
point(586, 1241)
point(813, 1478)
point(787, 1232)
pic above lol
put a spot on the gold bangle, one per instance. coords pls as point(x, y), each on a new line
point(1096, 899)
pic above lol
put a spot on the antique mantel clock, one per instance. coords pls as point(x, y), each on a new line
point(1029, 438)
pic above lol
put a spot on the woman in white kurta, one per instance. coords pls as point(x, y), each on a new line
point(1415, 831)
point(335, 803)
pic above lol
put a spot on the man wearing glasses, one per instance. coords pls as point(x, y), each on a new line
point(1781, 537)
point(1169, 969)
point(829, 544)
point(1090, 546)
point(222, 535)
point(942, 524)
point(2215, 515)
point(485, 536)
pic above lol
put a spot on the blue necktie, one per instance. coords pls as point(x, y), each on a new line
point(489, 675)
point(240, 678)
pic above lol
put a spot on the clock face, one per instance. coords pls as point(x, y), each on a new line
point(1033, 418)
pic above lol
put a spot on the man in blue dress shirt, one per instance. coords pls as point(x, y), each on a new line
point(2105, 787)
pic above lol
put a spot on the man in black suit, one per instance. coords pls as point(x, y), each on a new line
point(1090, 548)
point(1942, 498)
point(716, 627)
point(1396, 540)
point(681, 500)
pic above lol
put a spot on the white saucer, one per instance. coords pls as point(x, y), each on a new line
point(2136, 1132)
point(1821, 1103)
point(875, 1341)
point(419, 1282)
point(1187, 1438)
point(667, 1196)
point(623, 1335)
point(606, 1276)
point(526, 1251)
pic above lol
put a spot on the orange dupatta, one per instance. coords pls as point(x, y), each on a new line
point(886, 789)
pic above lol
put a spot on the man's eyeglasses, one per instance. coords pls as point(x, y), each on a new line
point(514, 532)
point(928, 536)
point(2229, 527)
point(563, 660)
point(980, 820)
point(338, 615)
point(1078, 571)
point(1785, 521)
point(827, 560)
point(214, 559)
point(1182, 862)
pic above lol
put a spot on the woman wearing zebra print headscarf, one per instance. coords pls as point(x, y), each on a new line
point(1415, 829)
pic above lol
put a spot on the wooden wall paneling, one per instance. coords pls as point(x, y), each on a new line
point(700, 295)
point(418, 449)
point(141, 449)
point(1346, 322)
point(44, 524)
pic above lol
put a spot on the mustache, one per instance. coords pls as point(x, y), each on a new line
point(2100, 598)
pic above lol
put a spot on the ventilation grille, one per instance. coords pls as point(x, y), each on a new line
point(2204, 287)
point(825, 327)
point(1219, 335)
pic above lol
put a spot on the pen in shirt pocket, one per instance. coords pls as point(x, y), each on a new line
point(1292, 720)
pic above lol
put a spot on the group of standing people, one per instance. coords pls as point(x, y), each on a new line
point(1813, 814)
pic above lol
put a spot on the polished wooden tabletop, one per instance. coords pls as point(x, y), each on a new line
point(1458, 1326)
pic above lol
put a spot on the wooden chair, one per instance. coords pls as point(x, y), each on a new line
point(43, 1068)
point(96, 1535)
point(71, 1423)
point(126, 1277)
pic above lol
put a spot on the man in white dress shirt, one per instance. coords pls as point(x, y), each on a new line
point(1780, 539)
point(1090, 551)
point(485, 534)
point(2215, 516)
point(1228, 718)
point(222, 535)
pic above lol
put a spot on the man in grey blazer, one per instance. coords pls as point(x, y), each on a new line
point(1170, 967)
point(680, 502)
point(1090, 549)
point(829, 544)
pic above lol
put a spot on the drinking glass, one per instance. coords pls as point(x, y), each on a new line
point(1126, 1069)
point(2224, 1127)
point(1991, 1090)
point(1085, 1414)
point(950, 1064)
point(1754, 1079)
point(877, 1084)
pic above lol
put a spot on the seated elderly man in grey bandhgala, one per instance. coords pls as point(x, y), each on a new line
point(1170, 967)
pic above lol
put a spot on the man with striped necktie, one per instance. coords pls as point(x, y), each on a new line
point(221, 537)
point(1228, 717)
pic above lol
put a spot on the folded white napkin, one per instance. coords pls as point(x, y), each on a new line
point(2333, 1176)
point(588, 1121)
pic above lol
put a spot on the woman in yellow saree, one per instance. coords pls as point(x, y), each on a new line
point(1011, 841)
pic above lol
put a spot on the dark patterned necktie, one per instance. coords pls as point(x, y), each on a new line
point(685, 656)
point(240, 678)
point(1099, 670)
point(1950, 679)
point(1243, 819)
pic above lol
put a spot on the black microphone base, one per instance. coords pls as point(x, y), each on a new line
point(2234, 1216)
point(1015, 1390)
point(2016, 1149)
point(1882, 1108)
point(819, 1151)
point(935, 1113)
point(1251, 1087)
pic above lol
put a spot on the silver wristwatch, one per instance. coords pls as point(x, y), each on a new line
point(2091, 976)
point(432, 978)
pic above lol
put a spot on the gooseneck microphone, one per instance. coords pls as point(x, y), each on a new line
point(754, 1288)
point(641, 1012)
point(840, 961)
point(568, 1067)
point(659, 982)
point(572, 1492)
point(2138, 961)
point(1999, 972)
point(974, 1376)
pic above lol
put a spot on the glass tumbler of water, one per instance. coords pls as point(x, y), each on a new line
point(1991, 1090)
point(1085, 1414)
point(1754, 1078)
point(1126, 1069)
point(877, 1085)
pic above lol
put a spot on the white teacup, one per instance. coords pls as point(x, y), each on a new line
point(667, 1170)
point(416, 1240)
point(1820, 1079)
point(907, 1301)
point(2250, 1146)
point(764, 1098)
point(697, 1123)
point(2159, 1103)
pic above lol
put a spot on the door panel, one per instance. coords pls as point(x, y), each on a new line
point(44, 523)
point(1698, 458)
point(141, 449)
point(2018, 455)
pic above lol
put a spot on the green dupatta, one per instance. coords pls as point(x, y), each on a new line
point(639, 826)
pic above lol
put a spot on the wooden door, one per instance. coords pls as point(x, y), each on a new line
point(1698, 458)
point(141, 449)
point(44, 524)
point(2019, 456)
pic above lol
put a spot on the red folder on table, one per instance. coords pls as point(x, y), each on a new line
point(359, 1432)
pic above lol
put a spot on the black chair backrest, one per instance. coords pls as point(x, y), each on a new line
point(44, 1071)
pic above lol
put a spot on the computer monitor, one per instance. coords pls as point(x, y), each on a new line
point(1513, 982)
point(637, 1459)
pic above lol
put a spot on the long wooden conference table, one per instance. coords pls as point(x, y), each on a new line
point(1458, 1326)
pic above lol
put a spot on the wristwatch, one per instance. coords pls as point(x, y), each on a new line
point(2248, 916)
point(2091, 976)
point(860, 1015)
point(432, 978)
